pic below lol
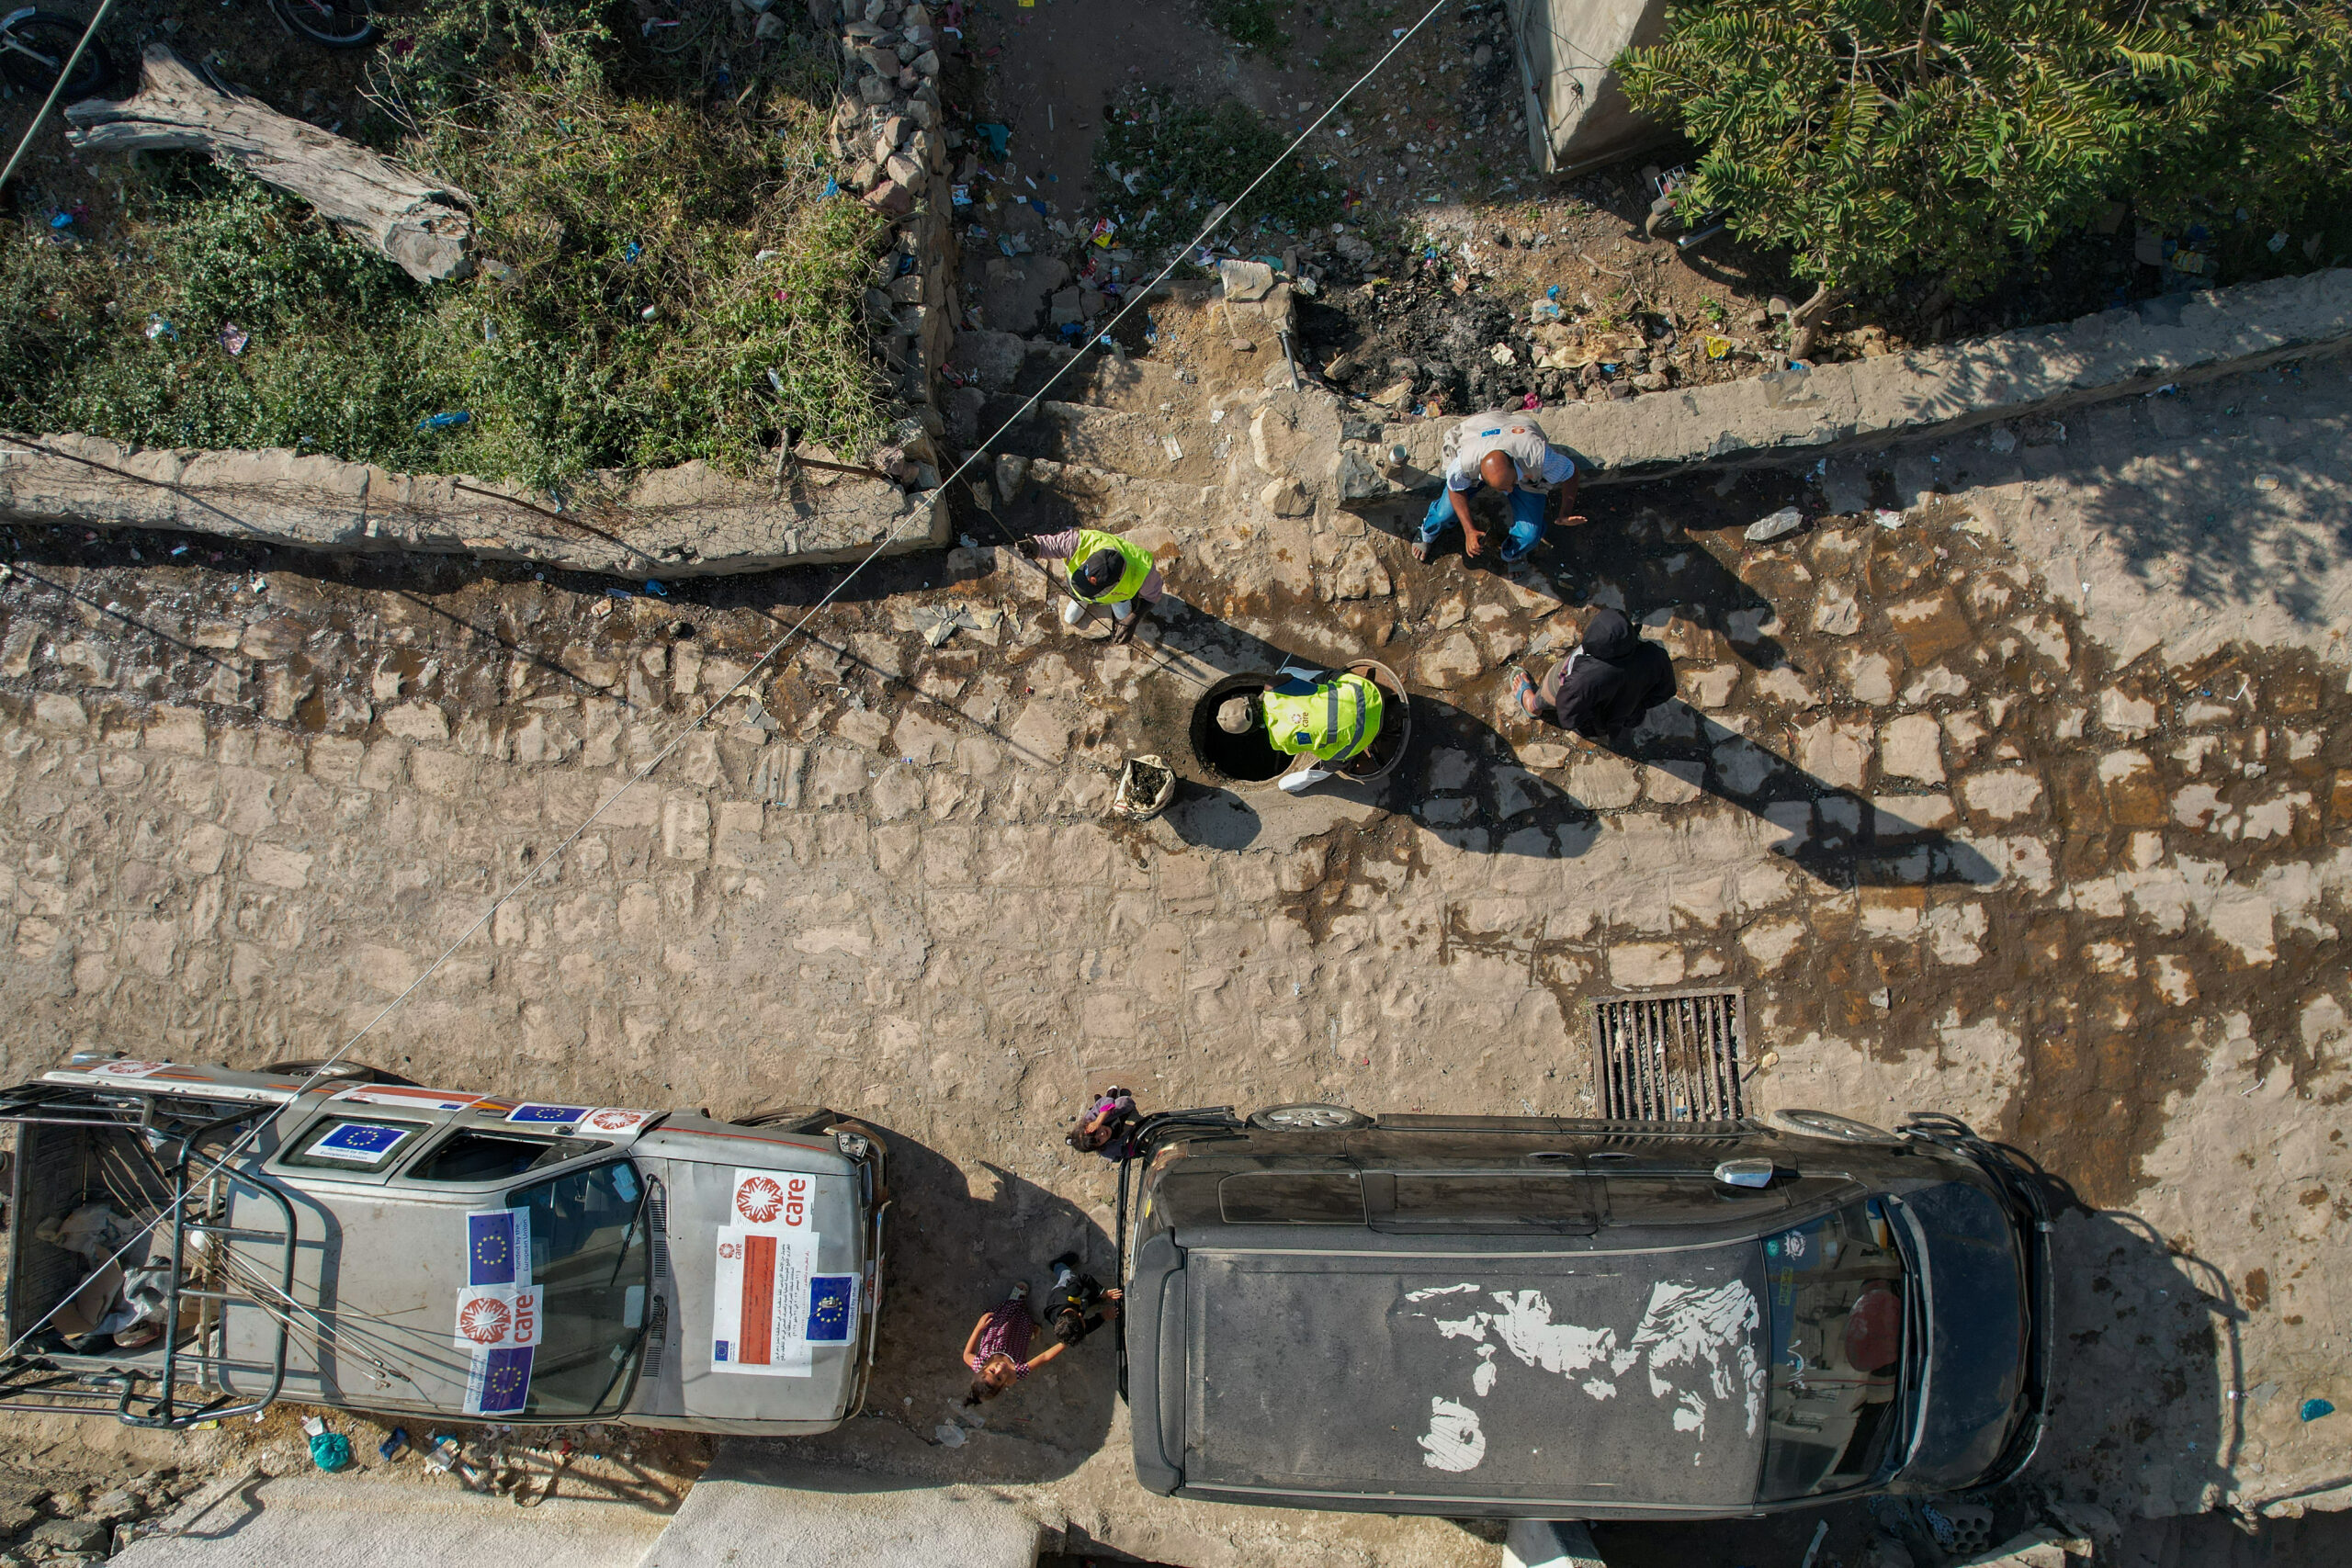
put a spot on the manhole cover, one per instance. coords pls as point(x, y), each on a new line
point(1669, 1058)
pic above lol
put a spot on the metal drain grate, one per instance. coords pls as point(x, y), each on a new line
point(1670, 1059)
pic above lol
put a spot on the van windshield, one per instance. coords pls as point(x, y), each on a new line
point(593, 1265)
point(1835, 1288)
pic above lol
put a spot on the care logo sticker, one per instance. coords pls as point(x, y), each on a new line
point(494, 1317)
point(613, 1119)
point(757, 1317)
point(125, 1069)
point(369, 1144)
point(775, 1200)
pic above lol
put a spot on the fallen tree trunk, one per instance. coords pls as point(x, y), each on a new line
point(418, 225)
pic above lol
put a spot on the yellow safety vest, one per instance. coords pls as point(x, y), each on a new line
point(1138, 559)
point(1335, 721)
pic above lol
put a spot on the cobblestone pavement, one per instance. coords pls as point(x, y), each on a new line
point(2031, 804)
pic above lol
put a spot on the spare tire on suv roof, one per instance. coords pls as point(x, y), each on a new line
point(1829, 1124)
point(338, 1072)
point(1308, 1117)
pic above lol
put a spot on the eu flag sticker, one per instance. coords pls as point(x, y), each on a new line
point(498, 1247)
point(501, 1385)
point(548, 1113)
point(833, 1308)
point(360, 1143)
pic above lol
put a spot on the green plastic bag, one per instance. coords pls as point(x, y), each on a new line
point(331, 1452)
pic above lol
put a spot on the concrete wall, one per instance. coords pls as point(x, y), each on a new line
point(1577, 115)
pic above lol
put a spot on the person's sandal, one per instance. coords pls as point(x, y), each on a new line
point(1523, 692)
point(1020, 1292)
point(1421, 551)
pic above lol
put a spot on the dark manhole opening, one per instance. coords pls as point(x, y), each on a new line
point(1249, 757)
point(1677, 1057)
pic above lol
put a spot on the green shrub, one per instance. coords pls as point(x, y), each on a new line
point(604, 185)
point(1875, 138)
point(1187, 157)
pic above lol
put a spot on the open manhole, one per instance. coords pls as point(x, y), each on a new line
point(1669, 1058)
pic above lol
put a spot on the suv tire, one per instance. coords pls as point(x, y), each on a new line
point(1308, 1116)
point(1830, 1125)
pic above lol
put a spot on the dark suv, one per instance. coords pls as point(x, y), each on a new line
point(1554, 1318)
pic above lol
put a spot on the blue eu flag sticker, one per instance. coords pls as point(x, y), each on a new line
point(832, 1301)
point(489, 1248)
point(505, 1385)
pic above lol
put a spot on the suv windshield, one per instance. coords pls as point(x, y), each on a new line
point(592, 1266)
point(1835, 1288)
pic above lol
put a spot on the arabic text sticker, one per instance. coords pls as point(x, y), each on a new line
point(360, 1143)
point(774, 1199)
point(613, 1119)
point(494, 1316)
point(500, 1381)
point(756, 1322)
point(547, 1114)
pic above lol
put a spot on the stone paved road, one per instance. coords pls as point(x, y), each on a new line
point(2032, 805)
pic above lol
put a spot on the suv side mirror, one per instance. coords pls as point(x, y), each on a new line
point(1745, 1173)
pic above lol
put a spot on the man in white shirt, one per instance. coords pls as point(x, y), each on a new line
point(1507, 453)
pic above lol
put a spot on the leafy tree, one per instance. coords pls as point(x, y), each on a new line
point(1875, 138)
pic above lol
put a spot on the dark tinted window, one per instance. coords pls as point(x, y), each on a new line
point(353, 1144)
point(480, 1156)
point(1833, 1290)
point(1296, 1198)
point(1682, 1200)
point(1488, 1200)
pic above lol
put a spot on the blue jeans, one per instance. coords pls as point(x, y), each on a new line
point(1527, 510)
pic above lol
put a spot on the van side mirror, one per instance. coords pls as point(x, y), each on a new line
point(1745, 1173)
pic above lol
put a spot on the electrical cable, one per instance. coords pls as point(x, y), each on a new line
point(319, 1073)
point(56, 90)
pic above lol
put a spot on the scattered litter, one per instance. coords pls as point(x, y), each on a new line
point(234, 338)
point(767, 255)
point(2266, 481)
point(331, 1452)
point(950, 1436)
point(64, 218)
point(1779, 525)
point(158, 328)
point(179, 549)
point(1717, 347)
point(1175, 449)
point(2313, 1409)
point(443, 421)
point(444, 1457)
point(656, 588)
point(313, 1426)
point(1886, 517)
point(648, 313)
point(998, 137)
point(393, 1446)
point(2278, 242)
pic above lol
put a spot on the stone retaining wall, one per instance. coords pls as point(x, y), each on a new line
point(689, 521)
point(1802, 414)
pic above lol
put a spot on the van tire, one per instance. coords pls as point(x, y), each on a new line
point(344, 1071)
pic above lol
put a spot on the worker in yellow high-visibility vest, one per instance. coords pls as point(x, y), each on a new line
point(1323, 721)
point(1103, 570)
